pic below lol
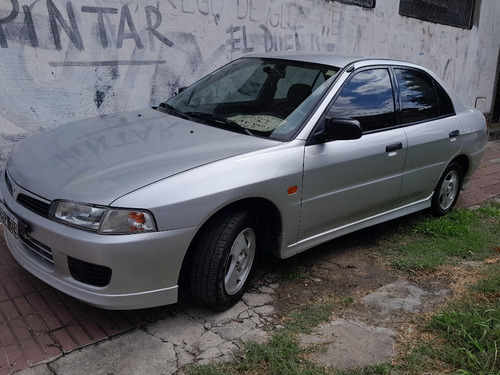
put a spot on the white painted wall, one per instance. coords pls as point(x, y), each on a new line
point(64, 60)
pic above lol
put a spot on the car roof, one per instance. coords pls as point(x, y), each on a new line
point(340, 61)
point(344, 61)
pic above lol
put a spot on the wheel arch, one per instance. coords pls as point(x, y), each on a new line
point(464, 163)
point(269, 221)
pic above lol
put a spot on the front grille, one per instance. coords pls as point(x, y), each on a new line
point(9, 184)
point(33, 204)
point(39, 249)
point(89, 273)
point(37, 206)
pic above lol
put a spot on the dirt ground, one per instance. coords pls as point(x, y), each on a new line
point(349, 268)
point(345, 268)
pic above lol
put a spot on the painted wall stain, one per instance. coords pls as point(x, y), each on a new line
point(99, 98)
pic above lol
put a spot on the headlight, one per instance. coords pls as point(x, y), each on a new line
point(77, 214)
point(101, 219)
point(121, 221)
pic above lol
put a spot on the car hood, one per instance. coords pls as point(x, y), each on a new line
point(101, 159)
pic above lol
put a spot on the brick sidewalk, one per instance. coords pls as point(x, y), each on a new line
point(37, 323)
point(486, 181)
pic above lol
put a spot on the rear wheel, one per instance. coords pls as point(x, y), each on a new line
point(223, 259)
point(447, 191)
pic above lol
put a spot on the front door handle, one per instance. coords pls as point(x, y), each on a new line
point(394, 147)
point(454, 133)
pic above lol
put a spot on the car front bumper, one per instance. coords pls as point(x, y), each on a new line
point(107, 271)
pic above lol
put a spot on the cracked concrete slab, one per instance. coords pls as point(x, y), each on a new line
point(135, 353)
point(366, 335)
point(393, 302)
point(180, 330)
point(351, 344)
point(194, 335)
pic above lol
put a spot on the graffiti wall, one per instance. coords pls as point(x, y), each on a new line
point(64, 60)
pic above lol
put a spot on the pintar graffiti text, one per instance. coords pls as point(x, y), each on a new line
point(69, 24)
point(20, 19)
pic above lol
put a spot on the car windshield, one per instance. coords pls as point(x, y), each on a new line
point(259, 96)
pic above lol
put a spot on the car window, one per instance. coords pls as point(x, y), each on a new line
point(444, 102)
point(367, 97)
point(240, 84)
point(421, 97)
point(298, 75)
point(255, 96)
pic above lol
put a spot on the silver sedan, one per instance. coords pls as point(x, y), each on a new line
point(270, 153)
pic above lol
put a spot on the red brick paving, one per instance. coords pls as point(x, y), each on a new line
point(486, 181)
point(37, 323)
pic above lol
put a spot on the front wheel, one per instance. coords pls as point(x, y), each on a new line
point(447, 191)
point(223, 259)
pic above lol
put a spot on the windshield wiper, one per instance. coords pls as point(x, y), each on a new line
point(172, 111)
point(222, 120)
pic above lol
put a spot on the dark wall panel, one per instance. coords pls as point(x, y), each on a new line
point(361, 3)
point(456, 13)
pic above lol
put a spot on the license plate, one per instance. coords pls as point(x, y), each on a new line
point(9, 221)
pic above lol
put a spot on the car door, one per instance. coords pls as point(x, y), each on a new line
point(433, 131)
point(349, 181)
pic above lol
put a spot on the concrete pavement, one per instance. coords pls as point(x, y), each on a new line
point(43, 332)
point(193, 335)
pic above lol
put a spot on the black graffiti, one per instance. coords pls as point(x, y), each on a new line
point(100, 11)
point(244, 9)
point(153, 28)
point(67, 21)
point(289, 41)
point(55, 17)
point(234, 42)
point(106, 63)
point(12, 16)
point(287, 16)
point(99, 97)
point(28, 21)
point(281, 31)
point(132, 34)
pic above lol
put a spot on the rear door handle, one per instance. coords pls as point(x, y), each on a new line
point(394, 147)
point(454, 133)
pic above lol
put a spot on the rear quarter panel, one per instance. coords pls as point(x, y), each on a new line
point(475, 137)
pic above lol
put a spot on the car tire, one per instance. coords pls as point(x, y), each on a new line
point(224, 258)
point(447, 190)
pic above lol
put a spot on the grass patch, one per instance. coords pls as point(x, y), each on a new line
point(291, 269)
point(305, 318)
point(456, 224)
point(429, 242)
point(471, 335)
point(489, 288)
point(463, 338)
point(282, 355)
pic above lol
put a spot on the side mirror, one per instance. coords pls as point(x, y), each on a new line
point(340, 129)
